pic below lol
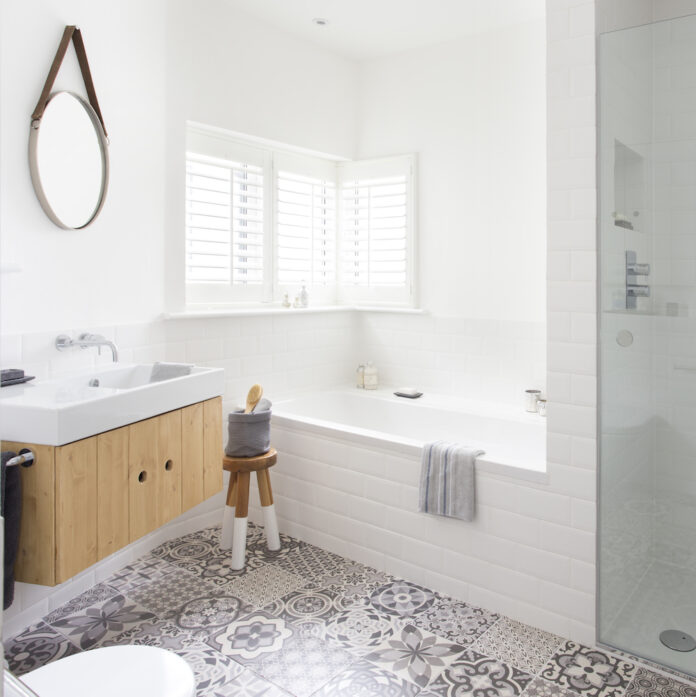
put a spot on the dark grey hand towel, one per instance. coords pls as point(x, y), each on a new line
point(11, 511)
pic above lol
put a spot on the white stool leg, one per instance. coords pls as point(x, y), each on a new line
point(239, 543)
point(270, 526)
point(270, 522)
point(228, 513)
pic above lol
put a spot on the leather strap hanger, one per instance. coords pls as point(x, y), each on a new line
point(71, 33)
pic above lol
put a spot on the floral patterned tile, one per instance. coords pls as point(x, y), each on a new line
point(454, 620)
point(646, 683)
point(476, 674)
point(257, 549)
point(95, 594)
point(360, 630)
point(211, 668)
point(166, 596)
point(247, 684)
point(415, 655)
point(520, 645)
point(539, 687)
point(312, 564)
point(402, 599)
point(590, 672)
point(305, 607)
point(265, 585)
point(144, 570)
point(253, 636)
point(354, 583)
point(160, 633)
point(35, 647)
point(363, 679)
point(200, 554)
point(91, 626)
point(305, 664)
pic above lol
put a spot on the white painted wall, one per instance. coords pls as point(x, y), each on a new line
point(112, 271)
point(462, 106)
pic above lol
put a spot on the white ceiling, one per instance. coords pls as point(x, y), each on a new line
point(361, 29)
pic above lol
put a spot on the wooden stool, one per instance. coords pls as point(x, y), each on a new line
point(236, 516)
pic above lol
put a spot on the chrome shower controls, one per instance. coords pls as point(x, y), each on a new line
point(633, 288)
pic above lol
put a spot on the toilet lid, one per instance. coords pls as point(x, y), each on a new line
point(133, 671)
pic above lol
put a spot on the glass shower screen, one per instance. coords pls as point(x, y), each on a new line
point(647, 480)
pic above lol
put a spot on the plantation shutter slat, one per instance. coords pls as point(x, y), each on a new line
point(224, 222)
point(306, 230)
point(375, 231)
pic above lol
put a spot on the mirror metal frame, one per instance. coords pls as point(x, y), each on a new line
point(36, 175)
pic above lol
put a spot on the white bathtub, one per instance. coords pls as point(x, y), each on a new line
point(514, 441)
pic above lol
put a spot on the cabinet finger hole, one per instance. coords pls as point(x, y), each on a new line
point(168, 465)
point(142, 476)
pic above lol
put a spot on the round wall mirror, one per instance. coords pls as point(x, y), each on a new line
point(69, 161)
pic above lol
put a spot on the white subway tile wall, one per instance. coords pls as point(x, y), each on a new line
point(530, 553)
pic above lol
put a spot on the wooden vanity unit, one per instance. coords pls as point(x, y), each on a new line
point(85, 500)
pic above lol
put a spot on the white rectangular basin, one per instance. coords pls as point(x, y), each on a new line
point(59, 411)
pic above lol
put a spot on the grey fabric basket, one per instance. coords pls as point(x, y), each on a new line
point(249, 434)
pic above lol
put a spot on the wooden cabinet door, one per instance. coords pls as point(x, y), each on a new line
point(76, 507)
point(192, 491)
point(212, 446)
point(169, 465)
point(154, 472)
point(112, 491)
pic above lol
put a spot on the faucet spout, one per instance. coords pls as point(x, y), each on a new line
point(85, 341)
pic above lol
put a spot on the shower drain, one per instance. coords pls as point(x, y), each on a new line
point(677, 640)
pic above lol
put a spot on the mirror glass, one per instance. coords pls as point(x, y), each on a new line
point(69, 161)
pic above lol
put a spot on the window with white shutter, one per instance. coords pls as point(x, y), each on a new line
point(262, 220)
point(377, 218)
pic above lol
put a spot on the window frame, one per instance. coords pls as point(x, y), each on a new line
point(382, 296)
point(218, 146)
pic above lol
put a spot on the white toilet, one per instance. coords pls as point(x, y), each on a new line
point(115, 671)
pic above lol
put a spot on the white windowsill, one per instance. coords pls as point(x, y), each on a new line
point(267, 311)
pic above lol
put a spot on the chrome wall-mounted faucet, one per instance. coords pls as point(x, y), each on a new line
point(86, 341)
point(634, 289)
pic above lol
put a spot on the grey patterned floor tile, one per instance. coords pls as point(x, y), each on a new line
point(354, 582)
point(590, 672)
point(304, 606)
point(363, 679)
point(312, 564)
point(144, 570)
point(415, 655)
point(402, 599)
point(520, 645)
point(35, 647)
point(475, 674)
point(360, 630)
point(304, 664)
point(257, 549)
point(538, 687)
point(247, 684)
point(211, 668)
point(165, 597)
point(201, 554)
point(160, 633)
point(265, 585)
point(91, 626)
point(646, 683)
point(249, 638)
point(95, 594)
point(454, 620)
